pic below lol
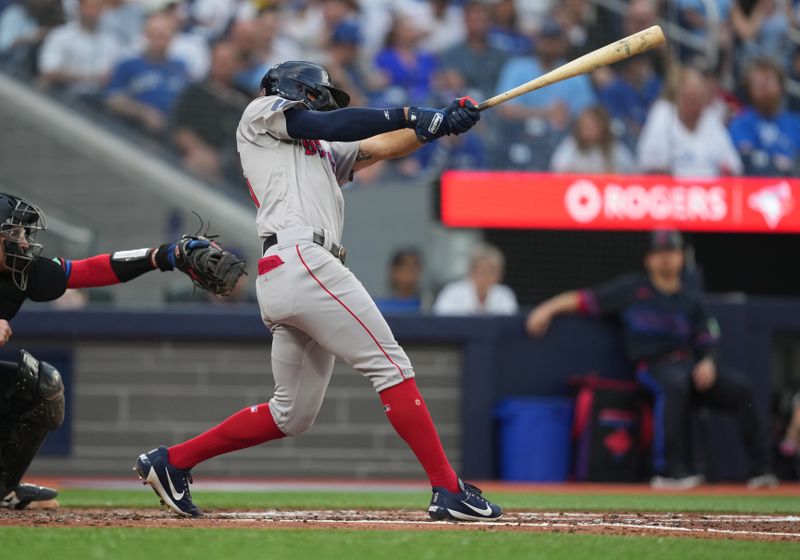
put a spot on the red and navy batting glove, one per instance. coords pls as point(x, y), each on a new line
point(462, 114)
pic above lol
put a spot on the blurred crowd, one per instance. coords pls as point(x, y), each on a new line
point(181, 71)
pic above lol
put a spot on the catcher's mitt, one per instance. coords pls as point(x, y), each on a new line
point(210, 267)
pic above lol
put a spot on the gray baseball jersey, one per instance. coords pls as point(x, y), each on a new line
point(315, 306)
point(294, 183)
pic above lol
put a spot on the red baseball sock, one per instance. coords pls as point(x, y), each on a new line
point(411, 420)
point(248, 427)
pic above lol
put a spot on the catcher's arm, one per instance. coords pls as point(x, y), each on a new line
point(113, 268)
point(217, 272)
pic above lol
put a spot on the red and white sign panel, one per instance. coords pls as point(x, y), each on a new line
point(601, 202)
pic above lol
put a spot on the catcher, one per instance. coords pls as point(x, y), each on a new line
point(31, 391)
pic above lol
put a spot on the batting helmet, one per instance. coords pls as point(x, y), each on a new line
point(20, 220)
point(300, 81)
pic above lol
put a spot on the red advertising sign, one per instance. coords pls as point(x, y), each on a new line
point(597, 202)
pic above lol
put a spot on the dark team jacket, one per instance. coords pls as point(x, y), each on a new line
point(655, 325)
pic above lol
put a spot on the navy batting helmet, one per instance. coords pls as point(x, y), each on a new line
point(20, 220)
point(300, 81)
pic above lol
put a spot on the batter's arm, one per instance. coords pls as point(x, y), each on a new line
point(390, 145)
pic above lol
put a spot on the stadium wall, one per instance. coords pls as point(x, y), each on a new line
point(142, 378)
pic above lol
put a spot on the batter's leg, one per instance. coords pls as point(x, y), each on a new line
point(338, 312)
point(302, 370)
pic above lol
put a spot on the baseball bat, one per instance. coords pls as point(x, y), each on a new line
point(624, 48)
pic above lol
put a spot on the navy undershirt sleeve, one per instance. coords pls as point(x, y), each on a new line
point(343, 125)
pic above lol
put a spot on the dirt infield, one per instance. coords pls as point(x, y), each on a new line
point(705, 526)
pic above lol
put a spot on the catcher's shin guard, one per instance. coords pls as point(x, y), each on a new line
point(31, 404)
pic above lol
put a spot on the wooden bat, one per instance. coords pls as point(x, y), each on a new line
point(624, 48)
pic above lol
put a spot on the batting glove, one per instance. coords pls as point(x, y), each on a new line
point(462, 114)
point(429, 124)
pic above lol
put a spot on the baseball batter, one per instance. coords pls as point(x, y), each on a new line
point(298, 146)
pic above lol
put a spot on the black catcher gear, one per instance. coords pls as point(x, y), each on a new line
point(31, 405)
point(306, 82)
point(20, 221)
point(25, 494)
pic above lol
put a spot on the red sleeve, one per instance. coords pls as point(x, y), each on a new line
point(91, 272)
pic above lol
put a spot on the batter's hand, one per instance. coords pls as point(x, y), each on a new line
point(704, 374)
point(462, 114)
point(428, 124)
point(5, 332)
point(539, 321)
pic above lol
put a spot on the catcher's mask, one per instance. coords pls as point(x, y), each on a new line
point(299, 81)
point(20, 221)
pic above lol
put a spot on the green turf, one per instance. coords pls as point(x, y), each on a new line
point(176, 544)
point(419, 500)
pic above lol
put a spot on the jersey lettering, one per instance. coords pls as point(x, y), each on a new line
point(314, 147)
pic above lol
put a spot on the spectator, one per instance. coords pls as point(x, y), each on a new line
point(77, 57)
point(473, 66)
point(576, 17)
point(123, 19)
point(481, 293)
point(684, 135)
point(559, 103)
point(629, 93)
point(407, 71)
point(405, 272)
point(765, 133)
point(442, 22)
point(761, 28)
point(794, 73)
point(311, 24)
point(261, 46)
point(205, 115)
point(708, 22)
point(505, 34)
point(592, 148)
point(211, 18)
point(672, 341)
point(188, 45)
point(144, 89)
point(426, 165)
point(375, 19)
point(343, 63)
point(642, 14)
point(23, 27)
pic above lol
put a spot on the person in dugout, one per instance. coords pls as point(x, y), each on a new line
point(31, 391)
point(673, 343)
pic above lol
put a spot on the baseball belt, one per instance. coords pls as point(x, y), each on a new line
point(337, 251)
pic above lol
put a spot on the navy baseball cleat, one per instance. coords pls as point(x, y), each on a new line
point(171, 484)
point(469, 505)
